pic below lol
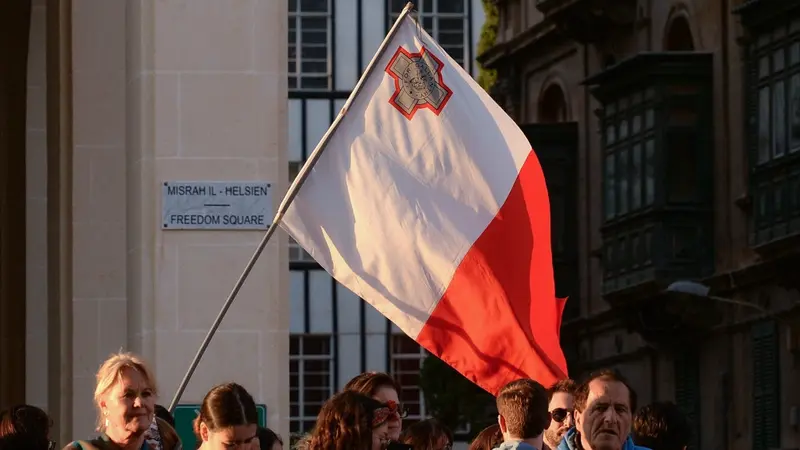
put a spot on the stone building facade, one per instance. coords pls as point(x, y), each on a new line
point(101, 102)
point(669, 133)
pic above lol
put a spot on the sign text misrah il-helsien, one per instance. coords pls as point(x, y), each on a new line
point(216, 205)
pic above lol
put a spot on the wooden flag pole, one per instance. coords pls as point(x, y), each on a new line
point(284, 205)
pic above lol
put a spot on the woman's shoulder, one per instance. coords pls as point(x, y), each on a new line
point(94, 444)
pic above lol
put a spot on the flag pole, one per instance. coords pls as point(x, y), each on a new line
point(284, 205)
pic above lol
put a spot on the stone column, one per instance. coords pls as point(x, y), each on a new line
point(96, 122)
point(36, 213)
point(207, 101)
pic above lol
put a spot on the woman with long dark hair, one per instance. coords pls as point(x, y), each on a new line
point(383, 388)
point(429, 434)
point(488, 439)
point(352, 421)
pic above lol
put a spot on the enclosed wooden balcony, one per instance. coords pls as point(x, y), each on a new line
point(657, 143)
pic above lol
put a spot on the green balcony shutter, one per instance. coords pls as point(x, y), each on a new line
point(687, 392)
point(766, 387)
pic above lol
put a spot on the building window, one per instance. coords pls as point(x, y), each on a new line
point(556, 146)
point(687, 392)
point(298, 253)
point(309, 44)
point(552, 105)
point(310, 379)
point(657, 169)
point(444, 20)
point(629, 161)
point(777, 90)
point(774, 135)
point(766, 386)
point(679, 37)
point(294, 170)
point(406, 362)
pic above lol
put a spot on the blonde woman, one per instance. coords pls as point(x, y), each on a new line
point(125, 396)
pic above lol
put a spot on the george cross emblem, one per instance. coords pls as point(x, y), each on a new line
point(418, 82)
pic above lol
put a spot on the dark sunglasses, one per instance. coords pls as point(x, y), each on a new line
point(402, 412)
point(560, 414)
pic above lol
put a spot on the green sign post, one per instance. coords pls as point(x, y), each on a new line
point(184, 419)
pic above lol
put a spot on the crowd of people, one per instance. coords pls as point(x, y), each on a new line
point(597, 414)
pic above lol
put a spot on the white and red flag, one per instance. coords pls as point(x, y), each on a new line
point(427, 201)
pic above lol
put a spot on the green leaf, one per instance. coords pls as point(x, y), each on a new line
point(487, 77)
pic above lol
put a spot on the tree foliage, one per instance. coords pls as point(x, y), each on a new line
point(455, 400)
point(487, 77)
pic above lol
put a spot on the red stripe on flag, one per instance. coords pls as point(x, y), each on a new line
point(499, 319)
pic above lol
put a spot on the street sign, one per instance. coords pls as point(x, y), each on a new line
point(184, 420)
point(216, 205)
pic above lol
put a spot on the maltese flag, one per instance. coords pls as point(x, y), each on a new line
point(426, 200)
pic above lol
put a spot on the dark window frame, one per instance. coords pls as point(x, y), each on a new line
point(621, 116)
point(405, 351)
point(629, 249)
point(687, 371)
point(432, 20)
point(299, 52)
point(773, 62)
point(766, 412)
point(556, 145)
point(661, 232)
point(301, 362)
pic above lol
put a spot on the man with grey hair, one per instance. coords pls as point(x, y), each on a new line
point(604, 406)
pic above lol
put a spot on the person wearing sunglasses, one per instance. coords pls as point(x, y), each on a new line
point(379, 386)
point(561, 398)
point(352, 421)
point(383, 388)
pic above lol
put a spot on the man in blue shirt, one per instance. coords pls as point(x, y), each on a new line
point(522, 415)
point(604, 406)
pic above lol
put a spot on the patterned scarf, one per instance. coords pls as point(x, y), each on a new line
point(153, 437)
